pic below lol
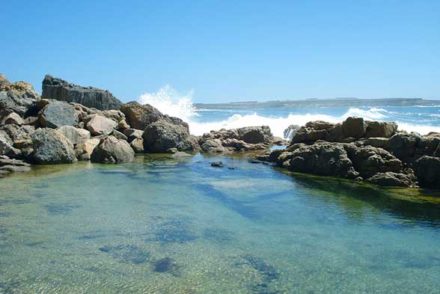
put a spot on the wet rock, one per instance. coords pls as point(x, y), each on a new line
point(403, 145)
point(369, 160)
point(217, 164)
point(112, 150)
point(380, 129)
point(75, 135)
point(100, 125)
point(212, 146)
point(354, 127)
point(51, 147)
point(391, 179)
point(59, 89)
point(8, 165)
point(162, 135)
point(325, 159)
point(427, 169)
point(167, 265)
point(56, 114)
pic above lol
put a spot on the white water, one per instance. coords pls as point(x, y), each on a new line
point(173, 103)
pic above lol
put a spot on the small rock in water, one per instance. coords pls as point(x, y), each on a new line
point(126, 253)
point(166, 265)
point(217, 164)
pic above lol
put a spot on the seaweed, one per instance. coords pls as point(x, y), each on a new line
point(267, 272)
point(174, 231)
point(126, 253)
point(166, 265)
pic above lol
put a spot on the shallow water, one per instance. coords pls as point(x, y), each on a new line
point(182, 226)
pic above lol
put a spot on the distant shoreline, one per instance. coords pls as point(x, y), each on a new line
point(312, 102)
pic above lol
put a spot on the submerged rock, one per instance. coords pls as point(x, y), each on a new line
point(50, 146)
point(112, 150)
point(167, 265)
point(59, 89)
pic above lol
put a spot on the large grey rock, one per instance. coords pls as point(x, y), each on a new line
point(162, 135)
point(354, 127)
point(17, 97)
point(255, 135)
point(112, 150)
point(7, 145)
point(100, 125)
point(75, 135)
point(380, 129)
point(56, 114)
point(391, 179)
point(427, 169)
point(59, 89)
point(140, 116)
point(403, 145)
point(51, 147)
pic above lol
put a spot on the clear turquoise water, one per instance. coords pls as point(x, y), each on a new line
point(182, 226)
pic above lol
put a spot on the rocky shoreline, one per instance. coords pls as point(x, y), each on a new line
point(70, 123)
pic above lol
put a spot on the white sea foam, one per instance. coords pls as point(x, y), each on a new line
point(171, 102)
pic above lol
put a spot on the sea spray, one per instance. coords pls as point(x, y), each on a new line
point(171, 102)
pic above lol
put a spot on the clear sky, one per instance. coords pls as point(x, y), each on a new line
point(228, 50)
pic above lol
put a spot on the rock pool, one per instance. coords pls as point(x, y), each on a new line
point(162, 225)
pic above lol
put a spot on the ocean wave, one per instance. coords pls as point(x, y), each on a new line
point(170, 102)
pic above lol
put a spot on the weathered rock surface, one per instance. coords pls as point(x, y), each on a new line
point(50, 147)
point(380, 129)
point(59, 89)
point(162, 135)
point(56, 114)
point(427, 169)
point(8, 166)
point(112, 150)
point(75, 135)
point(17, 97)
point(140, 116)
point(235, 140)
point(85, 149)
point(100, 125)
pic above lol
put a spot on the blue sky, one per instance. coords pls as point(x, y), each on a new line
point(228, 50)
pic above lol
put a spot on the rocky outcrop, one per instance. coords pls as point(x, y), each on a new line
point(51, 147)
point(112, 150)
point(352, 129)
point(55, 88)
point(237, 140)
point(346, 160)
point(162, 135)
